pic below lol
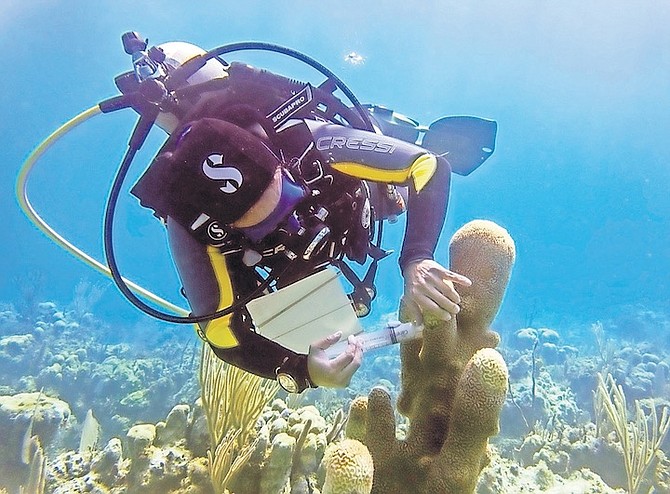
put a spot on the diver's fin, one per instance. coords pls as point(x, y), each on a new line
point(465, 141)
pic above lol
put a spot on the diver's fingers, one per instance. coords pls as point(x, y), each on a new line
point(442, 293)
point(438, 286)
point(443, 302)
point(341, 361)
point(352, 356)
point(326, 342)
point(456, 278)
point(345, 373)
point(444, 274)
point(358, 348)
point(427, 304)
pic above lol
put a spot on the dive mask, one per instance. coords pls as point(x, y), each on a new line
point(299, 230)
point(291, 195)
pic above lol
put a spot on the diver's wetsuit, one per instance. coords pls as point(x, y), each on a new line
point(214, 277)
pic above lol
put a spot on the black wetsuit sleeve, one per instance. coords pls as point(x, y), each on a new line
point(213, 281)
point(384, 159)
point(426, 213)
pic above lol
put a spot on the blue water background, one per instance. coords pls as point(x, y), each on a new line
point(580, 178)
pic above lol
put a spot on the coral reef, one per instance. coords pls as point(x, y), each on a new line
point(52, 349)
point(151, 458)
point(537, 398)
point(564, 448)
point(34, 459)
point(288, 448)
point(453, 381)
point(154, 434)
point(143, 455)
point(506, 476)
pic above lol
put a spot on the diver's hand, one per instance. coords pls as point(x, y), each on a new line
point(429, 287)
point(337, 372)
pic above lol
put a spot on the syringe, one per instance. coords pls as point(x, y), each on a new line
point(390, 334)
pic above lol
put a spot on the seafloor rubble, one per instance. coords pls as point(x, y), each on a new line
point(56, 364)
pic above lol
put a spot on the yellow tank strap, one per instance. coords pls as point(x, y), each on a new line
point(218, 332)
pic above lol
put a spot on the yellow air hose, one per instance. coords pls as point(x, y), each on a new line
point(24, 203)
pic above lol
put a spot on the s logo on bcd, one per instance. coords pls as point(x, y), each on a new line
point(214, 167)
point(215, 232)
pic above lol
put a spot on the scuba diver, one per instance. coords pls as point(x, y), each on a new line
point(265, 180)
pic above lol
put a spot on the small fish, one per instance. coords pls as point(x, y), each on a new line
point(90, 433)
point(27, 445)
point(354, 58)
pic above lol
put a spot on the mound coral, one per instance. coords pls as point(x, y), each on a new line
point(348, 467)
point(453, 381)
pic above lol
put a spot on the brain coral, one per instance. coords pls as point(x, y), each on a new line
point(349, 469)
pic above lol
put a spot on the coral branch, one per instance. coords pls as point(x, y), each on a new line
point(233, 400)
point(640, 438)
